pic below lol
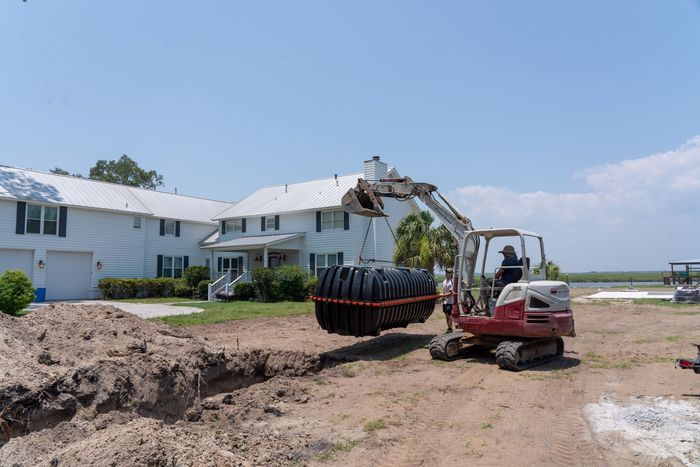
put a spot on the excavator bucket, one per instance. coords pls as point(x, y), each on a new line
point(362, 201)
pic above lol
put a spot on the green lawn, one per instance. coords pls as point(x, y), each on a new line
point(218, 312)
point(634, 276)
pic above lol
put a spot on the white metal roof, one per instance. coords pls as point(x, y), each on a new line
point(254, 241)
point(302, 196)
point(30, 185)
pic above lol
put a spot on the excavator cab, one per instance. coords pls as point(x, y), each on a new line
point(485, 294)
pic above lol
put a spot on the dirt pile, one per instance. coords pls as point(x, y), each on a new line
point(107, 385)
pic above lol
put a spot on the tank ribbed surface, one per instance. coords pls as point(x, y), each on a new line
point(367, 285)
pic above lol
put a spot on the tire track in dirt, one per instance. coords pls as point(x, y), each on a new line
point(573, 442)
point(427, 444)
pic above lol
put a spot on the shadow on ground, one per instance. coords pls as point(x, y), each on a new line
point(382, 348)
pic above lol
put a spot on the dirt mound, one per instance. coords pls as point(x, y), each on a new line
point(91, 376)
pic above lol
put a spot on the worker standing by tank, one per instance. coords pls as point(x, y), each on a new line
point(448, 298)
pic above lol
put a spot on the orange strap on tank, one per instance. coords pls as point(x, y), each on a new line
point(383, 303)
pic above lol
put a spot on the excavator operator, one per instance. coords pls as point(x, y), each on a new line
point(510, 267)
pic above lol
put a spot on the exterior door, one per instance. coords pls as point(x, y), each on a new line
point(230, 265)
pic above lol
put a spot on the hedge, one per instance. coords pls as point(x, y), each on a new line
point(117, 288)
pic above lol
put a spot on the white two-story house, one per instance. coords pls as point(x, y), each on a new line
point(304, 224)
point(67, 233)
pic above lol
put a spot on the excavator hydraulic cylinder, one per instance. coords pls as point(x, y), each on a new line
point(363, 301)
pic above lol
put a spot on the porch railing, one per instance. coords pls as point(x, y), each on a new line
point(223, 284)
point(217, 286)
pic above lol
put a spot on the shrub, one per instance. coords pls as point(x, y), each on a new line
point(264, 280)
point(16, 291)
point(182, 290)
point(203, 289)
point(244, 291)
point(290, 283)
point(311, 285)
point(116, 288)
point(193, 275)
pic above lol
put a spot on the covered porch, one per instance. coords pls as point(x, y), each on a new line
point(233, 260)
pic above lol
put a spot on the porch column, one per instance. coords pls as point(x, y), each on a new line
point(211, 264)
point(265, 264)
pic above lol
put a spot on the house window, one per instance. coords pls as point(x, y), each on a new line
point(331, 220)
point(42, 219)
point(270, 223)
point(172, 266)
point(325, 260)
point(169, 227)
point(137, 222)
point(234, 225)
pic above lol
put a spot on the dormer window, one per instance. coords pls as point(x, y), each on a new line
point(234, 225)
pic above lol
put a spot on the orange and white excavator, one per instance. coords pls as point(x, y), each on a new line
point(524, 321)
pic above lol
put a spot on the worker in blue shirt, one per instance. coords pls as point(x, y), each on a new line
point(506, 275)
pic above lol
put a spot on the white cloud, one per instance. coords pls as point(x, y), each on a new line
point(634, 215)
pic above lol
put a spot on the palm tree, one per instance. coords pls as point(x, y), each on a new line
point(418, 245)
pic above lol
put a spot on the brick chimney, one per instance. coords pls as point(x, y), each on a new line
point(375, 169)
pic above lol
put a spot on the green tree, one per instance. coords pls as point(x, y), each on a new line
point(60, 171)
point(553, 271)
point(126, 172)
point(16, 291)
point(419, 245)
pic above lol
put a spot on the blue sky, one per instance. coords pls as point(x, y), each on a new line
point(494, 102)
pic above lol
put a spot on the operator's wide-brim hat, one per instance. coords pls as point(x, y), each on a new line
point(508, 250)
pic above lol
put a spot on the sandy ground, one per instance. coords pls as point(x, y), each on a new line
point(469, 412)
point(614, 399)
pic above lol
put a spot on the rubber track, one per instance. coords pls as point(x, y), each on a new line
point(508, 357)
point(438, 346)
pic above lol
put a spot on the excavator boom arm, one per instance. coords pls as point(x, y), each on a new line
point(365, 200)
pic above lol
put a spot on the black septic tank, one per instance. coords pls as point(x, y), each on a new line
point(363, 301)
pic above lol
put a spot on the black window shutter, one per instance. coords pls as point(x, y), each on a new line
point(62, 221)
point(312, 263)
point(340, 258)
point(262, 224)
point(177, 228)
point(219, 267)
point(185, 262)
point(240, 265)
point(243, 225)
point(159, 266)
point(346, 221)
point(162, 228)
point(277, 222)
point(21, 217)
point(318, 221)
point(223, 227)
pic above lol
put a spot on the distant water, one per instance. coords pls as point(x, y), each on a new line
point(603, 285)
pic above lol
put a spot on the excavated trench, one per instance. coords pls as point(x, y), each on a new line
point(78, 362)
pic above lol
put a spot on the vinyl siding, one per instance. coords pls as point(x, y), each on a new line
point(187, 244)
point(330, 241)
point(110, 237)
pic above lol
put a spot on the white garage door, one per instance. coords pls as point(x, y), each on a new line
point(68, 275)
point(16, 259)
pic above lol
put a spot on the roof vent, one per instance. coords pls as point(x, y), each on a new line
point(285, 187)
point(336, 180)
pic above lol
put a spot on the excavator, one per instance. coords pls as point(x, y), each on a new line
point(524, 321)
